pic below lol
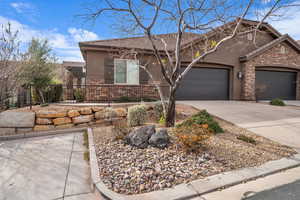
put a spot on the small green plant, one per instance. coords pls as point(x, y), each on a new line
point(162, 120)
point(136, 115)
point(246, 139)
point(201, 118)
point(86, 139)
point(191, 138)
point(86, 156)
point(158, 110)
point(44, 105)
point(79, 95)
point(125, 99)
point(277, 102)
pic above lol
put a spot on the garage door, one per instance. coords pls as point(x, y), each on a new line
point(275, 84)
point(204, 84)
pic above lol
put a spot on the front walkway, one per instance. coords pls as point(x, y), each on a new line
point(44, 168)
point(281, 124)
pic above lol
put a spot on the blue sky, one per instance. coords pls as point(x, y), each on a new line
point(56, 20)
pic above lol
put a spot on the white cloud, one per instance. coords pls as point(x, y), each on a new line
point(65, 46)
point(82, 35)
point(22, 7)
point(289, 25)
point(289, 21)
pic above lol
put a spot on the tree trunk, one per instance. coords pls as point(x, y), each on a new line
point(170, 118)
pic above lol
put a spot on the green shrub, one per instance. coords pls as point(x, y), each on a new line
point(191, 138)
point(201, 118)
point(136, 115)
point(246, 139)
point(125, 99)
point(79, 95)
point(121, 129)
point(158, 110)
point(277, 102)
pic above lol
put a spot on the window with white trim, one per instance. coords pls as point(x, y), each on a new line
point(126, 71)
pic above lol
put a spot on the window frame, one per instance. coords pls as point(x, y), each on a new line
point(115, 60)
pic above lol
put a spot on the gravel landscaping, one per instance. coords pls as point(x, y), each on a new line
point(129, 170)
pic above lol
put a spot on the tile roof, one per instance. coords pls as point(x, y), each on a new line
point(143, 42)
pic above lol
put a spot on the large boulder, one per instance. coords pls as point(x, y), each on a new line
point(61, 121)
point(83, 119)
point(50, 114)
point(14, 119)
point(73, 113)
point(43, 121)
point(160, 139)
point(86, 111)
point(139, 137)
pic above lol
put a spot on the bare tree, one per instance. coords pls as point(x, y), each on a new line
point(9, 62)
point(145, 17)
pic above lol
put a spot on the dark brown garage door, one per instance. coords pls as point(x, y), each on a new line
point(275, 84)
point(204, 84)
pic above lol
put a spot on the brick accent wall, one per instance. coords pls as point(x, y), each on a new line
point(110, 92)
point(271, 58)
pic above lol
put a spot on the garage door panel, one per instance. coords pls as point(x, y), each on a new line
point(204, 84)
point(276, 85)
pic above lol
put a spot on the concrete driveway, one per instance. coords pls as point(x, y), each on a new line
point(44, 168)
point(281, 124)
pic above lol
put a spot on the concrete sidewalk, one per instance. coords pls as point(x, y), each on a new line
point(44, 168)
point(280, 124)
point(254, 190)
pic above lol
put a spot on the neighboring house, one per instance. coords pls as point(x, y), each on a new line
point(238, 70)
point(74, 73)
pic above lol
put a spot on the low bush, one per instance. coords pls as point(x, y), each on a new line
point(201, 118)
point(125, 99)
point(246, 139)
point(136, 115)
point(121, 129)
point(191, 138)
point(79, 95)
point(277, 102)
point(158, 110)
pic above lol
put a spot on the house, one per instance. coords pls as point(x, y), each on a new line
point(239, 70)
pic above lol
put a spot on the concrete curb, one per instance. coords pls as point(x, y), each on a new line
point(194, 188)
point(41, 133)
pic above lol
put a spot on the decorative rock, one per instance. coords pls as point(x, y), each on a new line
point(83, 119)
point(139, 137)
point(43, 121)
point(120, 112)
point(73, 113)
point(160, 139)
point(65, 126)
point(43, 127)
point(110, 113)
point(50, 114)
point(100, 115)
point(61, 120)
point(97, 109)
point(86, 111)
point(12, 119)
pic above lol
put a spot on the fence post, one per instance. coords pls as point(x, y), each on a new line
point(30, 99)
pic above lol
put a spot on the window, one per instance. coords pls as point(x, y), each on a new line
point(126, 71)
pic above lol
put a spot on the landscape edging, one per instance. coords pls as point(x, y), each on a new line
point(41, 133)
point(196, 187)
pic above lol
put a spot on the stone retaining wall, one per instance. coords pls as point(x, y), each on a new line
point(12, 122)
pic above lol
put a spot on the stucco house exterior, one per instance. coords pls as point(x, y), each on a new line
point(238, 70)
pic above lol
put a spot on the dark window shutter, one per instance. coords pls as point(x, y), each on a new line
point(109, 70)
point(144, 77)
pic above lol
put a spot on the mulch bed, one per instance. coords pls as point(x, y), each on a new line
point(129, 170)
